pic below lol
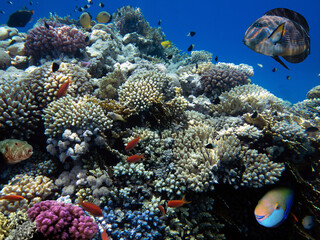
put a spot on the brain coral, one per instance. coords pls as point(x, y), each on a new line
point(140, 91)
point(56, 39)
point(74, 113)
point(217, 80)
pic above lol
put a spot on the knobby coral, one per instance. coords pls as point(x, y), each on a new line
point(62, 221)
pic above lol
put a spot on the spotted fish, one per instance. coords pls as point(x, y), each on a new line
point(280, 32)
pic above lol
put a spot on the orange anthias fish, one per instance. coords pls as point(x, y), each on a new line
point(63, 89)
point(135, 158)
point(177, 203)
point(280, 32)
point(132, 143)
point(12, 198)
point(161, 208)
point(104, 235)
point(91, 208)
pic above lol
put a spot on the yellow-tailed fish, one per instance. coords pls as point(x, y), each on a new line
point(166, 44)
point(280, 32)
point(104, 17)
point(274, 207)
point(85, 20)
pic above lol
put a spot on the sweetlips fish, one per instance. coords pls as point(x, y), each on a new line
point(280, 32)
point(14, 150)
point(274, 207)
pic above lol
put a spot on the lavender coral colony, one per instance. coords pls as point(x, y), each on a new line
point(108, 132)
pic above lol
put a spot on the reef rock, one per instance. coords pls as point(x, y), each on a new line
point(314, 92)
point(5, 60)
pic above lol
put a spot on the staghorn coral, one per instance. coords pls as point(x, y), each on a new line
point(247, 98)
point(56, 39)
point(5, 226)
point(140, 91)
point(33, 189)
point(216, 80)
point(45, 84)
point(74, 114)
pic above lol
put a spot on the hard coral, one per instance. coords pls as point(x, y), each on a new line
point(62, 221)
point(56, 39)
point(216, 80)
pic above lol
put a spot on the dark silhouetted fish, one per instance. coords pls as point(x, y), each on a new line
point(20, 18)
point(280, 32)
point(190, 48)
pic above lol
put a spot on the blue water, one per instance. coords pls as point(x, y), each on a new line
point(219, 26)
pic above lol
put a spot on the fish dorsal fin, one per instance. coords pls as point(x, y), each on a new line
point(291, 15)
point(277, 34)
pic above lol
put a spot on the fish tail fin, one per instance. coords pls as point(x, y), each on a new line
point(280, 61)
point(184, 200)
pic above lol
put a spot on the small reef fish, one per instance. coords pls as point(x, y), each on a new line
point(91, 208)
point(14, 150)
point(161, 208)
point(10, 2)
point(12, 198)
point(90, 2)
point(86, 6)
point(260, 65)
point(274, 69)
point(190, 48)
point(273, 208)
point(159, 22)
point(85, 20)
point(254, 115)
point(2, 12)
point(191, 34)
point(103, 17)
point(20, 18)
point(312, 129)
point(63, 89)
point(210, 146)
point(104, 235)
point(14, 182)
point(132, 143)
point(280, 32)
point(170, 56)
point(166, 44)
point(135, 158)
point(307, 222)
point(101, 5)
point(55, 67)
point(116, 117)
point(216, 59)
point(47, 25)
point(217, 101)
point(288, 77)
point(177, 203)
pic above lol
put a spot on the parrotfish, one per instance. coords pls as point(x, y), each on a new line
point(91, 208)
point(178, 203)
point(280, 32)
point(132, 143)
point(274, 207)
point(14, 150)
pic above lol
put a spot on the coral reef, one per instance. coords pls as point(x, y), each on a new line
point(217, 80)
point(62, 220)
point(5, 226)
point(56, 39)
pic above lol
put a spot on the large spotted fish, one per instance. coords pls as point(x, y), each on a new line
point(280, 32)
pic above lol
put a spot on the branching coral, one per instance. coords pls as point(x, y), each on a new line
point(56, 39)
point(5, 226)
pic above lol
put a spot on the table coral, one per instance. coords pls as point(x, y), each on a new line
point(56, 39)
point(62, 221)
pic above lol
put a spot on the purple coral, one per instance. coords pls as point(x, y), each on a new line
point(59, 220)
point(55, 39)
point(217, 80)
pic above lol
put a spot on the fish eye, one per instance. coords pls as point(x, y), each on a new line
point(257, 24)
point(259, 217)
